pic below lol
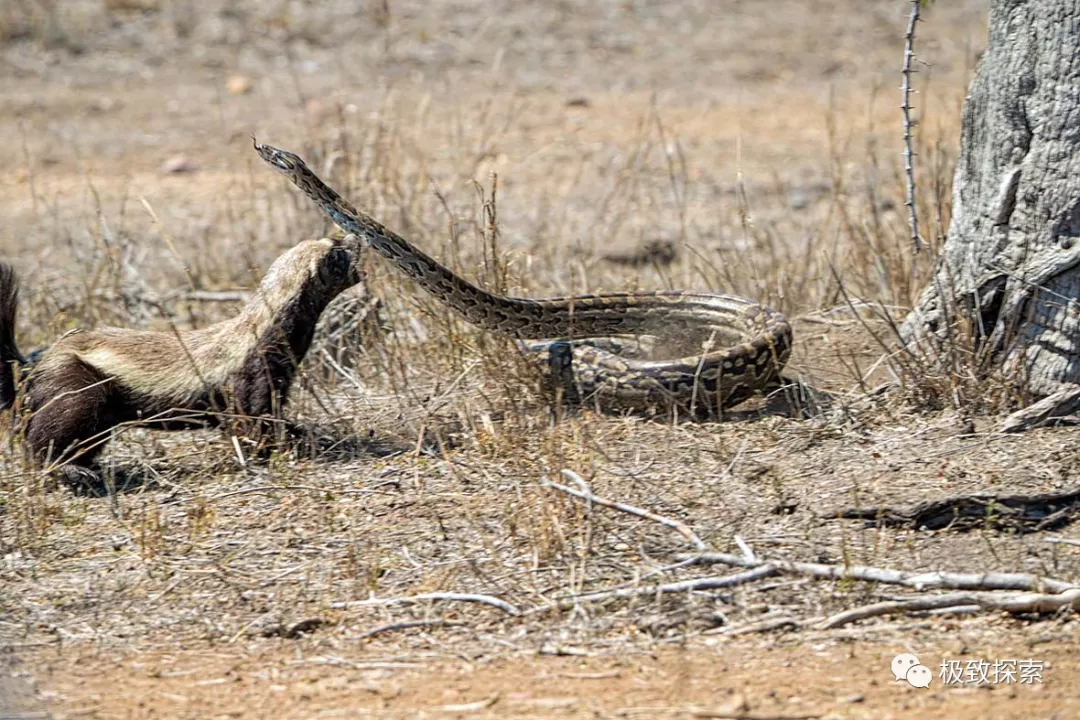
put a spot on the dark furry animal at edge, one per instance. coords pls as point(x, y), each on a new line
point(238, 370)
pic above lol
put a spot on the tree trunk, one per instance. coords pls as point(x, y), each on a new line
point(1010, 264)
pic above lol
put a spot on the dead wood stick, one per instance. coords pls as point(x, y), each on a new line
point(747, 551)
point(916, 580)
point(587, 495)
point(1061, 404)
point(706, 583)
point(215, 295)
point(450, 596)
point(1061, 541)
point(956, 610)
point(1041, 603)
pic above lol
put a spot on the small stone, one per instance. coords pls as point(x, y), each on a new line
point(238, 85)
point(104, 105)
point(318, 110)
point(178, 164)
point(738, 705)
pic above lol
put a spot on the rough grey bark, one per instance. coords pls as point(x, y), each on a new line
point(1011, 259)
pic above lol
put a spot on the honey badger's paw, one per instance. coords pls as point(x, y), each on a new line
point(80, 479)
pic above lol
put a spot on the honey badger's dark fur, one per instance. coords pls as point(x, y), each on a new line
point(89, 382)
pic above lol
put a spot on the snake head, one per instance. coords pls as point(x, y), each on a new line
point(284, 161)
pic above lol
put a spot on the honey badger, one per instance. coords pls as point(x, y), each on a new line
point(239, 369)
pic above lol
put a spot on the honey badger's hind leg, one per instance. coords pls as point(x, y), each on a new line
point(9, 349)
point(70, 405)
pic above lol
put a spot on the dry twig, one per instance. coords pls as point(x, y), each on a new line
point(1040, 603)
point(696, 584)
point(1062, 404)
point(916, 580)
point(1061, 541)
point(587, 495)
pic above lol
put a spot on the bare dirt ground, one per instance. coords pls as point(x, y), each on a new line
point(760, 138)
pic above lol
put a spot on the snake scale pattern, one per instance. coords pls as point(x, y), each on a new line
point(735, 346)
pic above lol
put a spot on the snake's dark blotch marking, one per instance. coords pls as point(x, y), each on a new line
point(88, 382)
point(752, 342)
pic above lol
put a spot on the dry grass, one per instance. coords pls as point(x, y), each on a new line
point(520, 168)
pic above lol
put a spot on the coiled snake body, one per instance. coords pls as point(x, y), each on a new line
point(740, 345)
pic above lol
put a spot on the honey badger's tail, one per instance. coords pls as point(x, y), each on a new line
point(9, 350)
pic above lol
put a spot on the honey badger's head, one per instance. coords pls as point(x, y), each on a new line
point(342, 263)
point(333, 265)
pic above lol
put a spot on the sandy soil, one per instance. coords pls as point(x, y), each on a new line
point(816, 678)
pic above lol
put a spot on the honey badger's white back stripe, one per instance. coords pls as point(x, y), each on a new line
point(183, 367)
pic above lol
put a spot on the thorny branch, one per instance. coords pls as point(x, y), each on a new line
point(905, 107)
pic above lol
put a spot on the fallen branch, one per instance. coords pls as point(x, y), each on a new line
point(1040, 603)
point(1026, 513)
point(587, 495)
point(449, 596)
point(1061, 541)
point(215, 295)
point(696, 584)
point(916, 580)
point(747, 551)
point(956, 610)
point(1056, 407)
